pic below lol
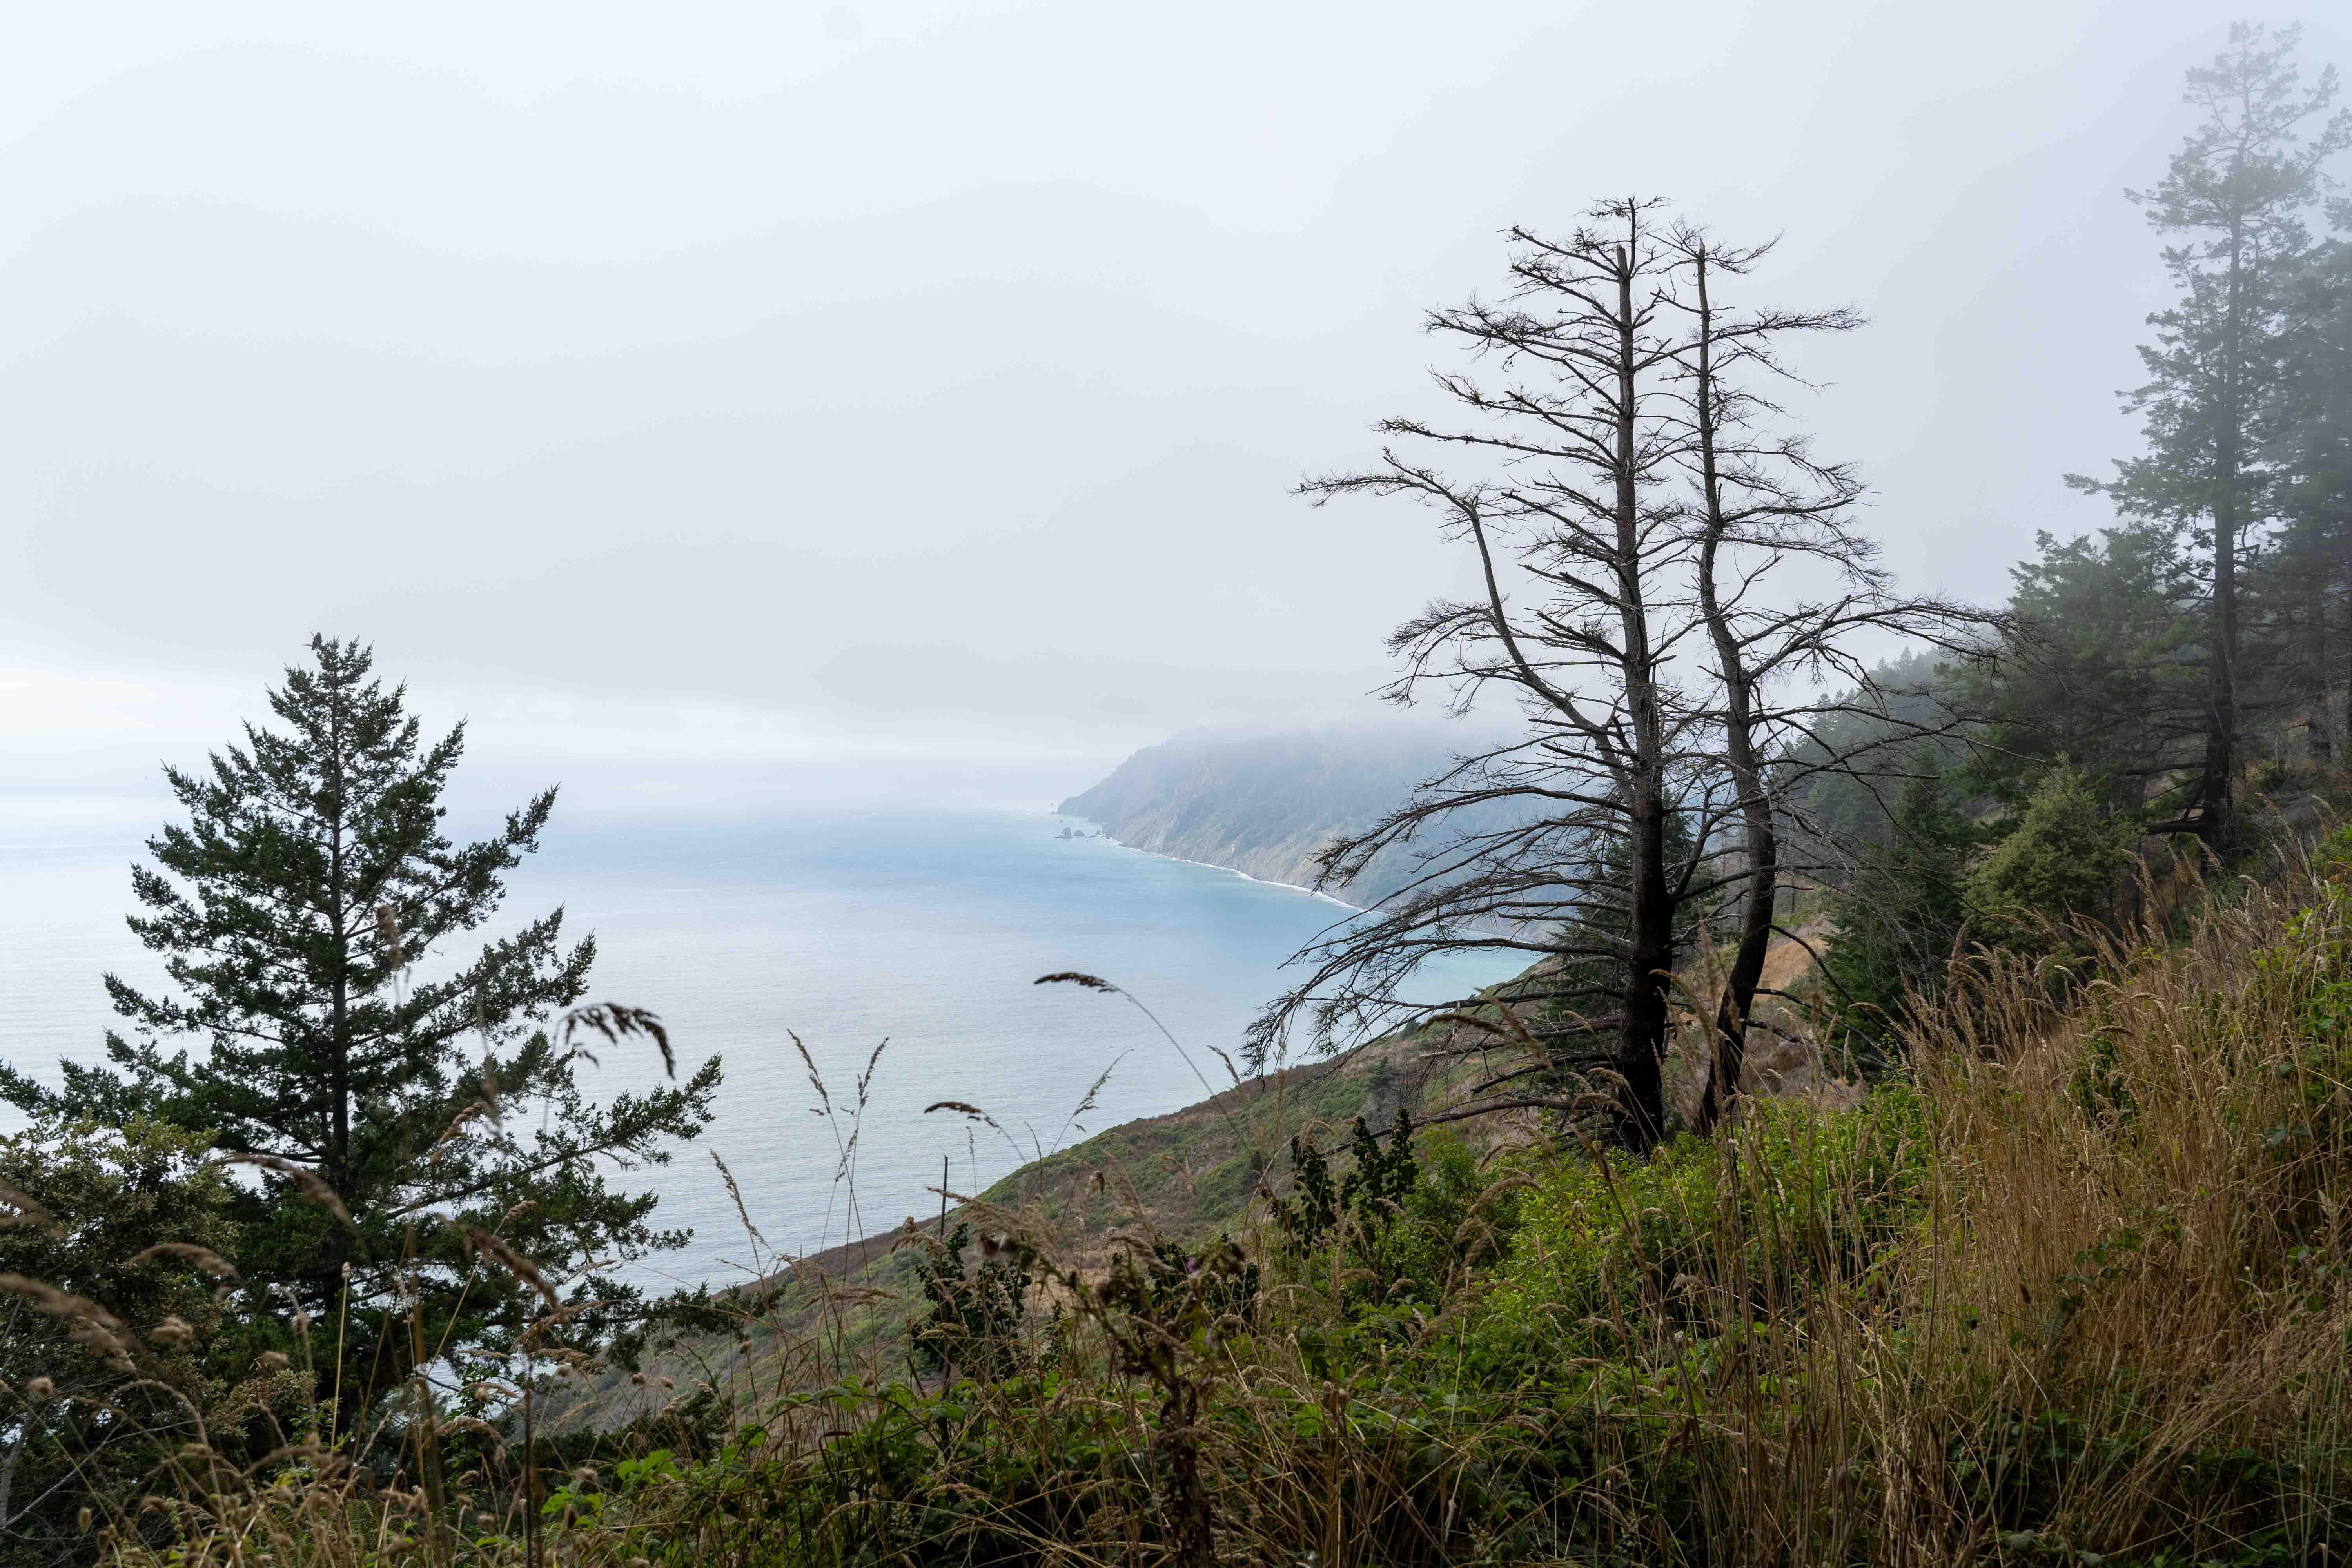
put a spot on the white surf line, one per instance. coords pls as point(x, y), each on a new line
point(1268, 882)
point(1245, 876)
point(1228, 870)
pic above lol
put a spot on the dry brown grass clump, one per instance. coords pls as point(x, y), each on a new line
point(2143, 1219)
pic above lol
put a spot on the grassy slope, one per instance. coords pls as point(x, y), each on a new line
point(1185, 1176)
point(2085, 1286)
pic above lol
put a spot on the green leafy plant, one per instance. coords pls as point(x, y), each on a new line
point(975, 1308)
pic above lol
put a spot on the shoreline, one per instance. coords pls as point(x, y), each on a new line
point(1105, 833)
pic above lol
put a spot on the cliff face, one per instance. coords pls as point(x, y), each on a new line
point(1265, 803)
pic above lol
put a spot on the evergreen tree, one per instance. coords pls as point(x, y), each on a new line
point(310, 876)
point(1557, 451)
point(2237, 196)
point(2059, 864)
point(1911, 713)
point(126, 1222)
point(2311, 448)
point(1899, 918)
point(1759, 499)
point(1629, 487)
point(2097, 662)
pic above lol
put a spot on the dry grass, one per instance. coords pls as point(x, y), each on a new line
point(2145, 1210)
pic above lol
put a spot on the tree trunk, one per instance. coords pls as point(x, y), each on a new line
point(2317, 741)
point(337, 1172)
point(1762, 844)
point(1650, 933)
point(8, 1466)
point(1735, 1008)
point(2218, 826)
point(1641, 1035)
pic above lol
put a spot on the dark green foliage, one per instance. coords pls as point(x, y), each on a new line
point(2235, 204)
point(2307, 585)
point(1166, 1319)
point(976, 1309)
point(2097, 1087)
point(1403, 1225)
point(1164, 1280)
point(1604, 1258)
point(1353, 1224)
point(2018, 1468)
point(1879, 737)
point(395, 1118)
point(2236, 201)
point(88, 1410)
point(1368, 1197)
point(1458, 1218)
point(2060, 863)
point(1898, 922)
point(2102, 665)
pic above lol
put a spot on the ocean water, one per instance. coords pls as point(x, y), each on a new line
point(917, 932)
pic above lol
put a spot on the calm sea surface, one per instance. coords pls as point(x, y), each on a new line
point(924, 931)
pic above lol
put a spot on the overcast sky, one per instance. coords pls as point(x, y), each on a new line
point(831, 385)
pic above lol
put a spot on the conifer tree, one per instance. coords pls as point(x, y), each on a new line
point(2098, 664)
point(1759, 500)
point(395, 1119)
point(1556, 462)
point(2237, 196)
point(2059, 863)
point(1899, 917)
point(1627, 486)
point(2311, 447)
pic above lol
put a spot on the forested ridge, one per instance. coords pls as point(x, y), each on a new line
point(1921, 1130)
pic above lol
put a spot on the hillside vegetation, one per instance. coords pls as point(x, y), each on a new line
point(2077, 1285)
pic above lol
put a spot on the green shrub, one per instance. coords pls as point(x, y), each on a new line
point(2058, 865)
point(975, 1310)
point(119, 1340)
point(1899, 918)
point(1610, 1258)
point(1403, 1224)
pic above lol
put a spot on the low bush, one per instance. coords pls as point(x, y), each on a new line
point(1798, 1199)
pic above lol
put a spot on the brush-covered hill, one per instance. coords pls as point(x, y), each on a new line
point(1185, 1177)
point(1265, 801)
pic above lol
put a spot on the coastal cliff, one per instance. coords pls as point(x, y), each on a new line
point(1264, 803)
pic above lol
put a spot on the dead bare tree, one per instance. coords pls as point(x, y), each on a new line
point(1584, 610)
point(1762, 508)
point(1629, 489)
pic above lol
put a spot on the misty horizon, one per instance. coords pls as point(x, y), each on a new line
point(847, 387)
